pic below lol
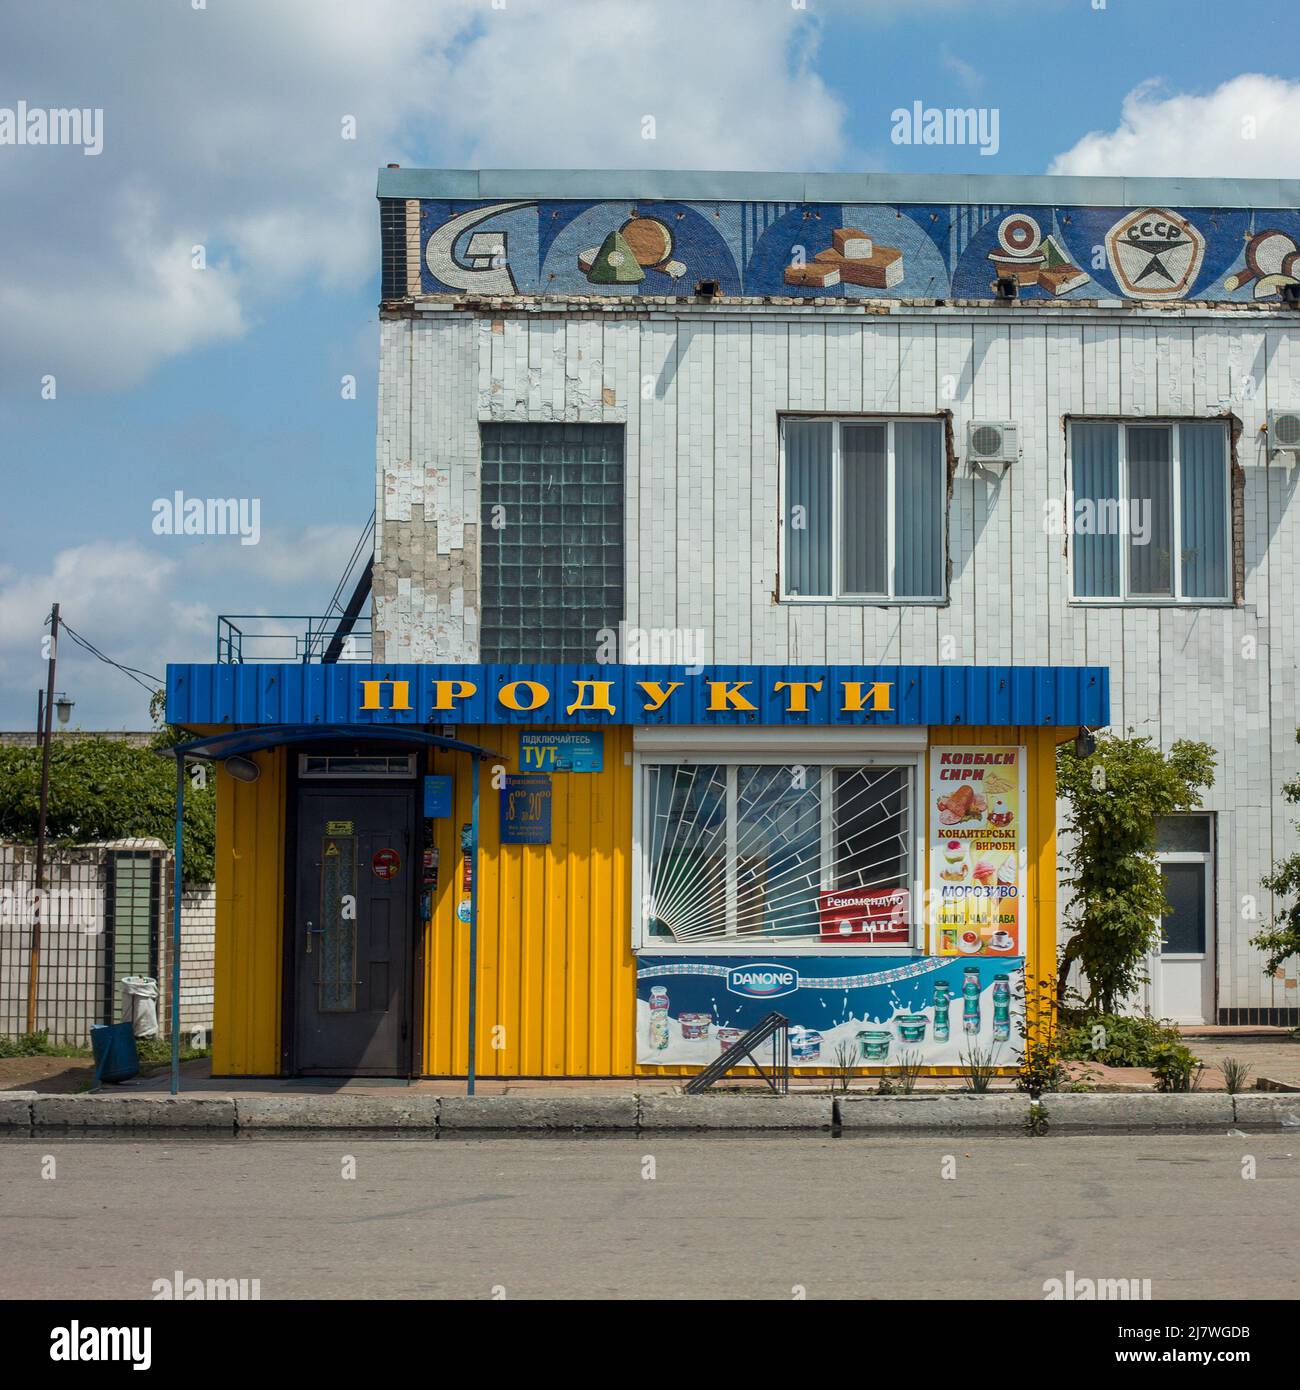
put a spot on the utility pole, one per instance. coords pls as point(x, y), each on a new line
point(34, 963)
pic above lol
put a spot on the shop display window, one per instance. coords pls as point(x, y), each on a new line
point(739, 851)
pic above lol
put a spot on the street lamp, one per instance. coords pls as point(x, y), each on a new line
point(60, 705)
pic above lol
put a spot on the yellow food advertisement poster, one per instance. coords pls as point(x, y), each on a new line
point(976, 803)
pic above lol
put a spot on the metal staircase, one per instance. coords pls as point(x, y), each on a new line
point(775, 1026)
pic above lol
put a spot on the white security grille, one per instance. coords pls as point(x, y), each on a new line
point(744, 850)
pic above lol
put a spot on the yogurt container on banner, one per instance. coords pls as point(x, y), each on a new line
point(695, 1025)
point(805, 1044)
point(911, 1027)
point(873, 1043)
point(728, 1037)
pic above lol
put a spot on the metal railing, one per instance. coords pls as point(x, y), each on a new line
point(774, 1026)
point(280, 637)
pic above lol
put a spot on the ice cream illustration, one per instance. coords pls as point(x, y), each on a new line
point(955, 864)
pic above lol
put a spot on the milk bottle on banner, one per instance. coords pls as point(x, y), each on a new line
point(658, 1018)
point(970, 994)
point(942, 998)
point(1001, 1008)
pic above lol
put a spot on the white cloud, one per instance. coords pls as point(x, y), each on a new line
point(970, 77)
point(118, 596)
point(313, 557)
point(566, 85)
point(147, 605)
point(223, 127)
point(1245, 128)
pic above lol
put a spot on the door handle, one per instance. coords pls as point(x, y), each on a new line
point(313, 931)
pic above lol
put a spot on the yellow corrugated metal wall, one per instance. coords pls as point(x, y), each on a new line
point(250, 916)
point(557, 978)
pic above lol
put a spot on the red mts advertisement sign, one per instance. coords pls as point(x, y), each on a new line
point(866, 915)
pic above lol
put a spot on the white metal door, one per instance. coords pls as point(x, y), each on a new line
point(1183, 974)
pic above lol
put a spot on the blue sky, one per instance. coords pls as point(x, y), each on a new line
point(223, 126)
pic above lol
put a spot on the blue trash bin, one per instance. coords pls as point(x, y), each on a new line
point(116, 1058)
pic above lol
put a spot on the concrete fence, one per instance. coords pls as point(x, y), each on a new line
point(105, 912)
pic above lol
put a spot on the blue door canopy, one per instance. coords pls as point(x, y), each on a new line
point(396, 695)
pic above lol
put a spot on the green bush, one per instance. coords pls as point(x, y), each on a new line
point(38, 1045)
point(1115, 797)
point(104, 789)
point(1174, 1066)
point(28, 1045)
point(1116, 1040)
point(152, 1051)
point(1042, 1067)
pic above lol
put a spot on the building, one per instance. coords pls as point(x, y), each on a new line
point(767, 533)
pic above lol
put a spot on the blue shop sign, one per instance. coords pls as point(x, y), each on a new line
point(526, 809)
point(563, 752)
point(437, 797)
point(335, 697)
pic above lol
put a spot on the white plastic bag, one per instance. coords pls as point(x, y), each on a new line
point(140, 1004)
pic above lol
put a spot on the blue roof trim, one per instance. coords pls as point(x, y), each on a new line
point(236, 742)
point(319, 695)
point(693, 185)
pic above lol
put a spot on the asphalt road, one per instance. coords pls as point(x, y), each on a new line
point(722, 1216)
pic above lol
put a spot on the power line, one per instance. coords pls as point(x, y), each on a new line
point(131, 671)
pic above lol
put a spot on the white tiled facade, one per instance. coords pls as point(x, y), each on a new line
point(701, 388)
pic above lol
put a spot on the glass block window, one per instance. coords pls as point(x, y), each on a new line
point(552, 540)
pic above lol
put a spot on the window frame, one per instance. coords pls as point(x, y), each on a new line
point(1177, 599)
point(557, 628)
point(837, 422)
point(828, 759)
point(1205, 859)
point(347, 767)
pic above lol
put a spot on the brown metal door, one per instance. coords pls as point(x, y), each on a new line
point(353, 936)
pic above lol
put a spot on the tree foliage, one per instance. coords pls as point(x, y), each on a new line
point(105, 789)
point(1115, 796)
point(1280, 940)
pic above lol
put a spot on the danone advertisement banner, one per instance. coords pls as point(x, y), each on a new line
point(868, 1011)
point(977, 851)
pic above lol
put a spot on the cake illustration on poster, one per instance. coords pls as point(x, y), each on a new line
point(871, 1010)
point(977, 851)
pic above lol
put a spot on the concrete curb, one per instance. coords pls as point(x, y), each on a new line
point(1084, 1113)
point(419, 1112)
point(538, 1112)
point(133, 1112)
point(1276, 1109)
point(851, 1115)
point(952, 1114)
point(737, 1112)
point(16, 1109)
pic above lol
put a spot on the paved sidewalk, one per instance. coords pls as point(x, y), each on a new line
point(1272, 1055)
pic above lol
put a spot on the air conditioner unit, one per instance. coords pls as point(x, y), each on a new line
point(992, 444)
point(1284, 431)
